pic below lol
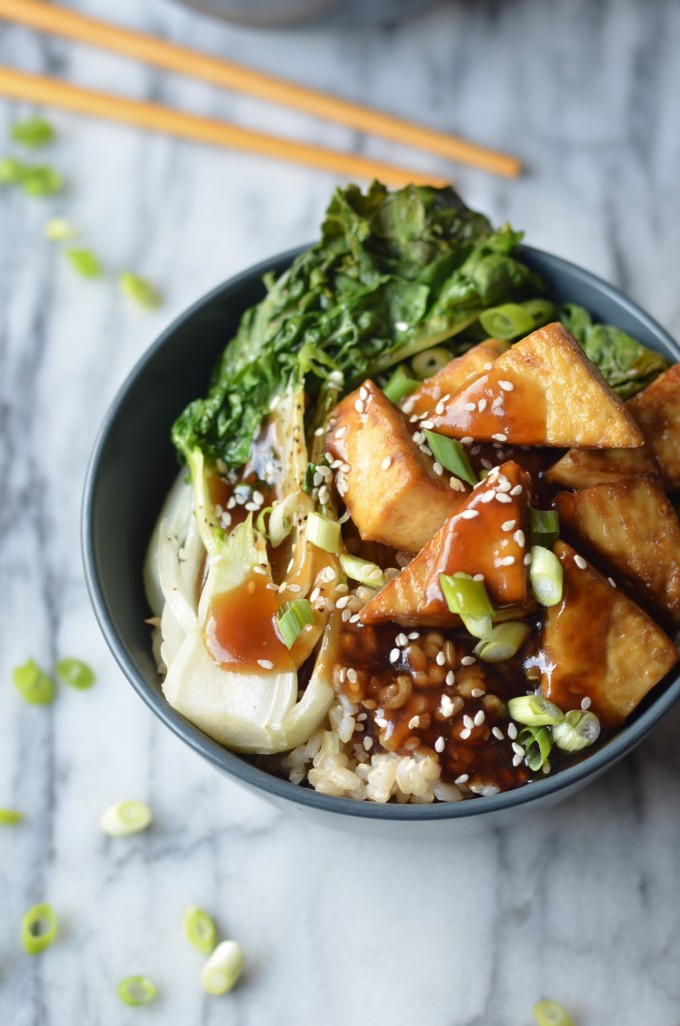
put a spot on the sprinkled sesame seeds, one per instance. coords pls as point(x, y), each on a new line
point(450, 680)
point(527, 559)
point(478, 577)
point(512, 731)
point(500, 436)
point(468, 722)
point(517, 749)
point(401, 640)
point(363, 392)
point(438, 469)
point(368, 743)
point(465, 734)
point(413, 635)
point(517, 490)
point(477, 692)
point(507, 386)
point(345, 615)
point(580, 562)
point(508, 525)
point(440, 744)
point(342, 431)
point(519, 538)
point(294, 587)
point(271, 586)
point(467, 440)
point(481, 405)
point(612, 581)
point(467, 661)
point(462, 779)
point(480, 716)
point(259, 570)
point(427, 425)
point(354, 618)
point(385, 465)
point(469, 514)
point(352, 675)
point(488, 497)
point(469, 406)
point(517, 760)
point(266, 664)
point(414, 722)
point(498, 733)
point(394, 655)
point(586, 703)
point(457, 485)
point(440, 408)
point(315, 594)
point(446, 707)
point(358, 406)
point(503, 497)
point(440, 659)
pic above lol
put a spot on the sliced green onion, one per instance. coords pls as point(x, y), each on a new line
point(136, 990)
point(38, 928)
point(11, 171)
point(536, 744)
point(323, 532)
point(84, 262)
point(427, 363)
point(41, 181)
point(308, 479)
point(546, 575)
point(468, 599)
point(545, 527)
point(282, 517)
point(139, 290)
point(199, 929)
point(503, 643)
point(507, 321)
point(550, 1013)
point(75, 672)
point(58, 229)
point(452, 456)
point(576, 731)
point(260, 522)
point(10, 816)
point(535, 711)
point(292, 618)
point(223, 968)
point(399, 385)
point(124, 818)
point(33, 132)
point(363, 571)
point(541, 311)
point(33, 684)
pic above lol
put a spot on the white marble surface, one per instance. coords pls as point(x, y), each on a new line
point(581, 903)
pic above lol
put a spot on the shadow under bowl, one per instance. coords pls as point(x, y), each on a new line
point(132, 468)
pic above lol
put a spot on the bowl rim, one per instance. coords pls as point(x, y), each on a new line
point(235, 765)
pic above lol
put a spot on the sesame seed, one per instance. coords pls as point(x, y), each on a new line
point(414, 722)
point(467, 440)
point(586, 703)
point(488, 496)
point(231, 503)
point(324, 495)
point(503, 497)
point(467, 661)
point(342, 601)
point(386, 463)
point(481, 405)
point(346, 613)
point(469, 406)
point(450, 678)
point(479, 718)
point(266, 664)
point(527, 559)
point(440, 659)
point(439, 744)
point(612, 581)
point(394, 655)
point(258, 497)
point(517, 760)
point(359, 406)
point(259, 570)
point(315, 594)
point(272, 587)
point(462, 779)
point(380, 722)
point(354, 618)
point(477, 692)
point(438, 469)
point(427, 425)
point(401, 640)
point(580, 562)
point(352, 675)
point(469, 514)
point(294, 587)
point(507, 386)
point(498, 733)
point(368, 743)
point(508, 525)
point(414, 418)
point(500, 437)
point(413, 636)
point(478, 577)
point(464, 734)
point(517, 749)
point(519, 538)
point(506, 561)
point(468, 722)
point(446, 707)
point(318, 433)
point(342, 431)
point(440, 408)
point(252, 507)
point(363, 392)
point(457, 485)
point(512, 731)
point(517, 490)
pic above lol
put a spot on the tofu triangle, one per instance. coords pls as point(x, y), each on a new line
point(543, 391)
point(488, 534)
point(591, 644)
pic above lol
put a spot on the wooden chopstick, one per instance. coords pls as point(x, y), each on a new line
point(48, 17)
point(19, 85)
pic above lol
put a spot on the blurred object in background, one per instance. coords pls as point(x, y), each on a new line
point(283, 13)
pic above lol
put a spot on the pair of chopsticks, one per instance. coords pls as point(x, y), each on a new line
point(39, 89)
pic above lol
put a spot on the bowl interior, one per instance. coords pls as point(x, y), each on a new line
point(134, 464)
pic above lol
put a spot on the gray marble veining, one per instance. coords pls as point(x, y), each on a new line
point(581, 903)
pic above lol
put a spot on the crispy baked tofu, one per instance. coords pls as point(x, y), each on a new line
point(487, 535)
point(657, 411)
point(542, 391)
point(583, 468)
point(451, 378)
point(598, 644)
point(390, 487)
point(630, 528)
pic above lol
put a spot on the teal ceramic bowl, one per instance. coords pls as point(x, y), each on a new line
point(131, 470)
